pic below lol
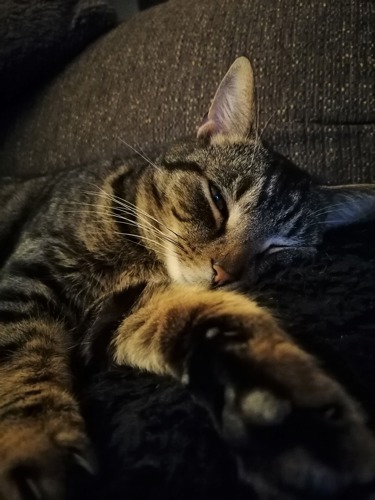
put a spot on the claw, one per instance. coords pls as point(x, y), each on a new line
point(31, 485)
point(88, 465)
point(212, 332)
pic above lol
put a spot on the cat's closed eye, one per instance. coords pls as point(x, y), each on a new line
point(278, 244)
point(275, 248)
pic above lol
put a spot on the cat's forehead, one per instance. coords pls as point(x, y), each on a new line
point(237, 168)
point(227, 161)
point(240, 159)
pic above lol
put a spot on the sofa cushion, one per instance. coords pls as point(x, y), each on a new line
point(152, 78)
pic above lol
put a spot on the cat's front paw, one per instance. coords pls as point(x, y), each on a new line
point(37, 455)
point(294, 430)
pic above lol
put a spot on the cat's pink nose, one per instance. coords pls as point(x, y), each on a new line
point(221, 275)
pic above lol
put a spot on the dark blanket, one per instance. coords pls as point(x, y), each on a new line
point(154, 441)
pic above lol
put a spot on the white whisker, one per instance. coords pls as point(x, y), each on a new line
point(140, 153)
point(136, 210)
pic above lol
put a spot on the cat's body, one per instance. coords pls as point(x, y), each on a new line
point(159, 243)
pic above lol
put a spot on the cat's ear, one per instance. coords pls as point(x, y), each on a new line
point(344, 205)
point(231, 115)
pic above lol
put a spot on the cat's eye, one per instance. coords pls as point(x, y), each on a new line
point(219, 201)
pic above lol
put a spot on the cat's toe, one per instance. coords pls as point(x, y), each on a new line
point(290, 425)
point(36, 462)
point(322, 448)
point(257, 407)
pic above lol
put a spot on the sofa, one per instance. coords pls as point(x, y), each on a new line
point(76, 86)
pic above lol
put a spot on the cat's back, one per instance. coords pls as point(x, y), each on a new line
point(20, 200)
point(39, 204)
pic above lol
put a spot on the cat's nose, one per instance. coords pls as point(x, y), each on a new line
point(221, 276)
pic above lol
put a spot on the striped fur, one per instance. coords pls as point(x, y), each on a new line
point(130, 263)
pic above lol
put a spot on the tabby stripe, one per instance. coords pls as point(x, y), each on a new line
point(180, 217)
point(33, 409)
point(288, 215)
point(28, 410)
point(244, 186)
point(157, 196)
point(103, 324)
point(41, 273)
point(12, 316)
point(118, 185)
point(27, 337)
point(293, 210)
point(118, 192)
point(20, 398)
point(40, 378)
point(38, 271)
point(116, 208)
point(187, 166)
point(267, 188)
point(9, 349)
point(30, 300)
point(11, 238)
point(297, 224)
point(12, 295)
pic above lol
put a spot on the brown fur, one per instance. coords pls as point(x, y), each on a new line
point(129, 254)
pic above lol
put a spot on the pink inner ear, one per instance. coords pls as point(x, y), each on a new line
point(231, 112)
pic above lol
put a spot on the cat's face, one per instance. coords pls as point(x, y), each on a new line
point(227, 207)
point(231, 205)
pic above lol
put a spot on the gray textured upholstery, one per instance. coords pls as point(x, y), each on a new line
point(151, 79)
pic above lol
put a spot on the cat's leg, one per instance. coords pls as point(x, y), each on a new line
point(290, 424)
point(41, 430)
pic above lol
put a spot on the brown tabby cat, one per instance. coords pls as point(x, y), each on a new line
point(168, 243)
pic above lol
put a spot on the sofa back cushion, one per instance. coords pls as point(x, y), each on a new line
point(151, 79)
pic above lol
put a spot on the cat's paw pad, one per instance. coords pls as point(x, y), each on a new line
point(289, 423)
point(36, 459)
point(257, 407)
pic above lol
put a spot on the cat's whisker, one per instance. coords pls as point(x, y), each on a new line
point(140, 153)
point(139, 224)
point(163, 237)
point(327, 210)
point(268, 121)
point(137, 210)
point(162, 248)
point(256, 148)
point(157, 232)
point(145, 224)
point(130, 206)
point(256, 125)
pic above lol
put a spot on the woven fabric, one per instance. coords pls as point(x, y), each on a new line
point(151, 80)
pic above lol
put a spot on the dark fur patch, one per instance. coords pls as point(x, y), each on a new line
point(105, 321)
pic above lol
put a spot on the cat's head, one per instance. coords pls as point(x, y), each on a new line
point(226, 206)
